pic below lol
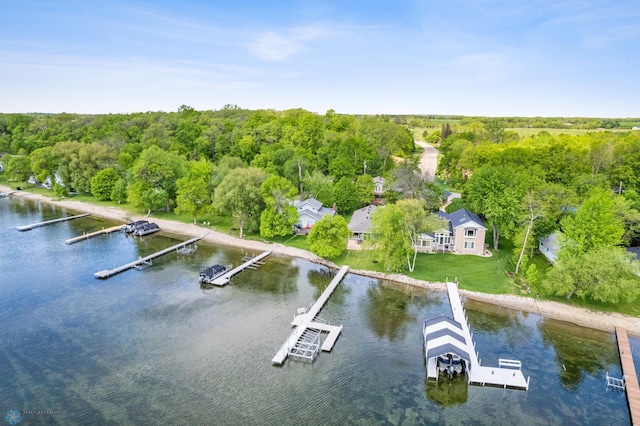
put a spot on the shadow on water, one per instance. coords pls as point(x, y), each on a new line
point(388, 310)
point(578, 351)
point(492, 320)
point(447, 392)
point(320, 278)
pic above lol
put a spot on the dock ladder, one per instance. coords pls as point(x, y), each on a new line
point(615, 383)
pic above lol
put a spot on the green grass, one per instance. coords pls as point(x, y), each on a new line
point(525, 131)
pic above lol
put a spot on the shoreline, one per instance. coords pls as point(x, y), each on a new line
point(582, 317)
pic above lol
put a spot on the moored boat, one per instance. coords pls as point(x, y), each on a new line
point(132, 226)
point(208, 275)
point(147, 229)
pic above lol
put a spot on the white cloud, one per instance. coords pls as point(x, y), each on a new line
point(273, 46)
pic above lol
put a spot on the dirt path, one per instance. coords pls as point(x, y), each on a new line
point(579, 316)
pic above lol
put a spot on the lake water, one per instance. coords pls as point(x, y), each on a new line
point(152, 347)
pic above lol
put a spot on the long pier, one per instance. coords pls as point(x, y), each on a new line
point(94, 234)
point(49, 222)
point(308, 320)
point(224, 279)
point(629, 374)
point(494, 376)
point(143, 260)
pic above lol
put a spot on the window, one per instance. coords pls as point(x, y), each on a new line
point(470, 232)
point(469, 245)
point(426, 243)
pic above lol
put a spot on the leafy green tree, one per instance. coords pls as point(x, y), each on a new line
point(43, 163)
point(364, 189)
point(280, 215)
point(156, 169)
point(328, 237)
point(595, 225)
point(605, 274)
point(496, 192)
point(389, 237)
point(19, 168)
point(239, 195)
point(153, 199)
point(103, 182)
point(318, 186)
point(345, 196)
point(193, 196)
point(119, 191)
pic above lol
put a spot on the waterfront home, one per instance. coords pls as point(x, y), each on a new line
point(360, 224)
point(378, 189)
point(310, 211)
point(464, 233)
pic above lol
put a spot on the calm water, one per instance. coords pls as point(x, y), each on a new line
point(152, 347)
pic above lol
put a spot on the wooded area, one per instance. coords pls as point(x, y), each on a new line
point(250, 165)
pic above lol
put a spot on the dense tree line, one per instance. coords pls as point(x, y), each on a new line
point(585, 187)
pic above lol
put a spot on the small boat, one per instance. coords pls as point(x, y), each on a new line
point(208, 275)
point(147, 229)
point(132, 226)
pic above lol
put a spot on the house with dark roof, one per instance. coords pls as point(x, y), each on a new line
point(310, 211)
point(360, 223)
point(465, 233)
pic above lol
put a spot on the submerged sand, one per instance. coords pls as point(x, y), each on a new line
point(559, 311)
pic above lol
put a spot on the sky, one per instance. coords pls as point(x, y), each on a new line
point(464, 57)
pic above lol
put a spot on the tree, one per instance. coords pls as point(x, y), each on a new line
point(605, 274)
point(19, 168)
point(194, 190)
point(328, 237)
point(595, 225)
point(43, 163)
point(533, 211)
point(364, 189)
point(156, 169)
point(496, 192)
point(103, 182)
point(280, 215)
point(416, 221)
point(239, 195)
point(344, 193)
point(153, 199)
point(318, 186)
point(119, 191)
point(389, 237)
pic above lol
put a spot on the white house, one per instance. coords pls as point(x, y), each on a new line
point(310, 211)
point(549, 246)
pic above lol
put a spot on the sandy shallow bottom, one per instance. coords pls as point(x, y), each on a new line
point(579, 316)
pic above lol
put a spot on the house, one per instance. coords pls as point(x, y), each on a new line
point(464, 234)
point(360, 223)
point(549, 246)
point(378, 189)
point(635, 251)
point(310, 211)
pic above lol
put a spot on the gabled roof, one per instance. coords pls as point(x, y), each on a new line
point(378, 179)
point(361, 219)
point(463, 217)
point(443, 335)
point(308, 204)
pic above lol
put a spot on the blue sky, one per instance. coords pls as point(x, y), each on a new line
point(468, 57)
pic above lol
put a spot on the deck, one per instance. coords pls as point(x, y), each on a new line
point(225, 278)
point(308, 320)
point(507, 374)
point(49, 222)
point(104, 274)
point(103, 231)
point(629, 373)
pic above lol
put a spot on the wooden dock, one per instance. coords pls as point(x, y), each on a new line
point(49, 222)
point(307, 320)
point(224, 279)
point(103, 231)
point(143, 260)
point(507, 374)
point(629, 374)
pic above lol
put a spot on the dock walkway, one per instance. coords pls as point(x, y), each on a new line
point(143, 260)
point(478, 374)
point(49, 222)
point(629, 373)
point(94, 234)
point(308, 320)
point(224, 279)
